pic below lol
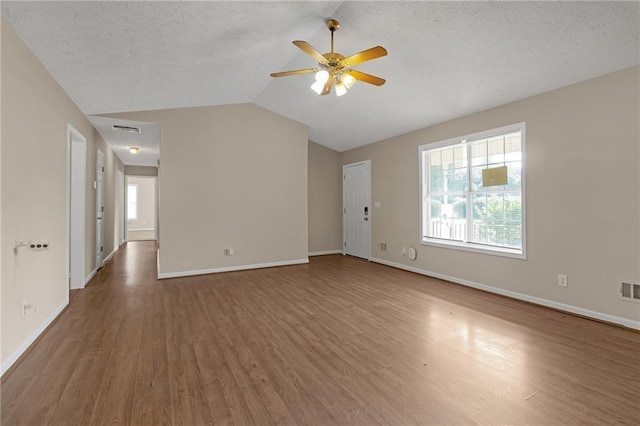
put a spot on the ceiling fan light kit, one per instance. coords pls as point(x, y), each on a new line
point(348, 80)
point(334, 68)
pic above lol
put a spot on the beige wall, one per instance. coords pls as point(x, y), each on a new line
point(140, 235)
point(146, 203)
point(325, 199)
point(231, 176)
point(141, 170)
point(582, 145)
point(35, 114)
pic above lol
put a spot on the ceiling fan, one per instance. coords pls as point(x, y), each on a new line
point(334, 68)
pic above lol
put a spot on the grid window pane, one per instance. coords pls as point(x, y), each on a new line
point(456, 204)
point(447, 217)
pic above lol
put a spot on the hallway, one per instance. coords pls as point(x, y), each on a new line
point(337, 341)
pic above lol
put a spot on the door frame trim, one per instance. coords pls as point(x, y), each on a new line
point(121, 186)
point(99, 252)
point(73, 133)
point(344, 228)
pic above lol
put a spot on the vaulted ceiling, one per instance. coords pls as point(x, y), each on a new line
point(446, 59)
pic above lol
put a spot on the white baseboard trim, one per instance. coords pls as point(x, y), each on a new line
point(108, 258)
point(90, 277)
point(37, 332)
point(322, 253)
point(230, 268)
point(140, 229)
point(626, 322)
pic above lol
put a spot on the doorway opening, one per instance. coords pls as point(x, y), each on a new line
point(76, 172)
point(141, 211)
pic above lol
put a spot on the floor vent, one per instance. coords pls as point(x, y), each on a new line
point(630, 291)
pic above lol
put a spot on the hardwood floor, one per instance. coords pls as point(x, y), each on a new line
point(338, 341)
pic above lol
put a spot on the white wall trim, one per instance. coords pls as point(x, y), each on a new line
point(108, 258)
point(32, 338)
point(141, 229)
point(89, 277)
point(100, 196)
point(626, 322)
point(322, 253)
point(80, 255)
point(230, 268)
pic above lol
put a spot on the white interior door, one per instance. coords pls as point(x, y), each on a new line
point(356, 198)
point(99, 208)
point(77, 206)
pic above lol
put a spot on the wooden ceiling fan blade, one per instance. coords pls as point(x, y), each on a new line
point(293, 72)
point(309, 50)
point(366, 78)
point(365, 55)
point(327, 86)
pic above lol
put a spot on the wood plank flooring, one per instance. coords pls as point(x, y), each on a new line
point(337, 341)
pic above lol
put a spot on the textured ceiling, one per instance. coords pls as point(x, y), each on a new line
point(446, 59)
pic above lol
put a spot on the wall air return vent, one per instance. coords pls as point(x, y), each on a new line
point(128, 129)
point(630, 291)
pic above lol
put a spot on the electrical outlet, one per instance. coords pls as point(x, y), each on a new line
point(229, 251)
point(39, 245)
point(383, 246)
point(563, 281)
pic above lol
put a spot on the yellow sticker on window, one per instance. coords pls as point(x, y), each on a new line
point(494, 177)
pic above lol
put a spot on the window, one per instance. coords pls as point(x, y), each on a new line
point(472, 191)
point(132, 202)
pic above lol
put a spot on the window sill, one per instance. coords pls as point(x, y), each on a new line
point(476, 248)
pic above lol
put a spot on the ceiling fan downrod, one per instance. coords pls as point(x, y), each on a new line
point(333, 26)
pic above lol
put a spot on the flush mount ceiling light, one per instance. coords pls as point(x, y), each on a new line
point(134, 149)
point(334, 68)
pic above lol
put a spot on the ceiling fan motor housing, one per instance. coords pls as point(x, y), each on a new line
point(333, 25)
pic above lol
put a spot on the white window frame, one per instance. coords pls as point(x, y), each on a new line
point(128, 201)
point(469, 246)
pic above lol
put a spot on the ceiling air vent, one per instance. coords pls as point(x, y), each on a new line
point(630, 291)
point(128, 129)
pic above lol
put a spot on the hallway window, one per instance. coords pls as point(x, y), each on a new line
point(132, 202)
